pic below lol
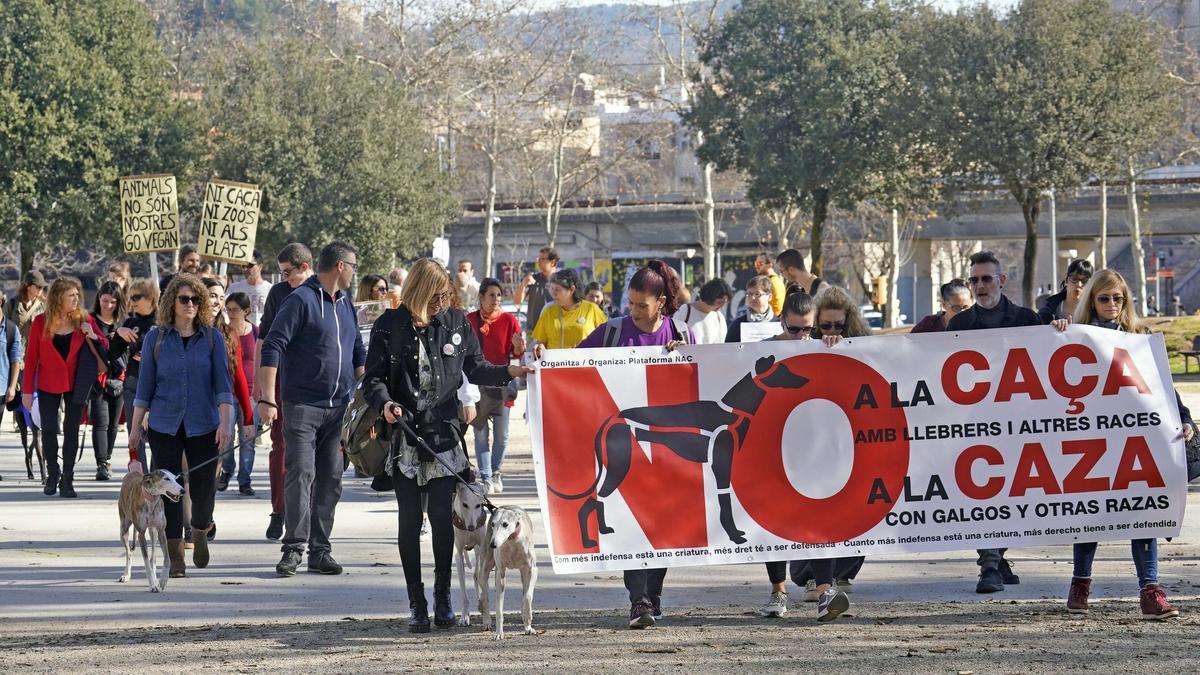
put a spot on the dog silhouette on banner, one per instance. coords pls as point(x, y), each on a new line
point(705, 432)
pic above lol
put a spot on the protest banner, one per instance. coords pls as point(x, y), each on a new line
point(789, 449)
point(230, 221)
point(149, 213)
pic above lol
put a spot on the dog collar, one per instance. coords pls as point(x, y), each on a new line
point(458, 523)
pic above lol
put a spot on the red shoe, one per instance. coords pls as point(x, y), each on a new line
point(1154, 604)
point(1077, 598)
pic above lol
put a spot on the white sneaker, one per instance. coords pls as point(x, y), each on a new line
point(497, 483)
point(488, 487)
point(777, 606)
point(831, 604)
point(811, 594)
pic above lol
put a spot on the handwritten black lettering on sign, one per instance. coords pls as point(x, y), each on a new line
point(149, 213)
point(230, 221)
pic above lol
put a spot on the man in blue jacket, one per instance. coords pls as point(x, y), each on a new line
point(315, 339)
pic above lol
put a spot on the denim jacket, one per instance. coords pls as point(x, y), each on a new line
point(184, 385)
point(10, 353)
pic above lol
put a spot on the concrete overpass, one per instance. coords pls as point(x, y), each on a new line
point(667, 229)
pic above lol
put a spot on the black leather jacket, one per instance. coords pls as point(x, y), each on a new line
point(391, 371)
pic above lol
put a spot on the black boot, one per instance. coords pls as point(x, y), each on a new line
point(418, 621)
point(443, 613)
point(52, 476)
point(66, 487)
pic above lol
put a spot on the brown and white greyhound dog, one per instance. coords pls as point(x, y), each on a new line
point(141, 509)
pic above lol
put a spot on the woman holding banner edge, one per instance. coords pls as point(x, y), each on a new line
point(1107, 303)
point(653, 298)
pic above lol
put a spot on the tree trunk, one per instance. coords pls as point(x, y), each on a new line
point(710, 226)
point(820, 212)
point(1135, 237)
point(27, 249)
point(892, 319)
point(489, 224)
point(1102, 261)
point(1031, 207)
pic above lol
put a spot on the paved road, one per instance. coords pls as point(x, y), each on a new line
point(59, 561)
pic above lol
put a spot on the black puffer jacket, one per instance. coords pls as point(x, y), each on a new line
point(392, 370)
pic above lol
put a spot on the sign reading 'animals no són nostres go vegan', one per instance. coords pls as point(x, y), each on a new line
point(230, 221)
point(783, 450)
point(149, 213)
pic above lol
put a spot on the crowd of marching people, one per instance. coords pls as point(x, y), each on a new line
point(194, 366)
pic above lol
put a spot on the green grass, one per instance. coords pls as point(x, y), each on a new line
point(1178, 333)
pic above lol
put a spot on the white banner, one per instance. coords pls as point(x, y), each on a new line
point(783, 450)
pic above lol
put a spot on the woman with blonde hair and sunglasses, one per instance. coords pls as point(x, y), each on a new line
point(418, 356)
point(1107, 303)
point(184, 385)
point(56, 339)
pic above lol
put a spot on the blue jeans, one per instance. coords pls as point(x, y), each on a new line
point(244, 435)
point(1145, 560)
point(491, 408)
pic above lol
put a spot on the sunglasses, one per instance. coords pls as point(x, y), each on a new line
point(832, 325)
point(797, 329)
point(985, 279)
point(188, 299)
point(233, 308)
point(135, 298)
point(1077, 280)
point(381, 289)
point(249, 265)
point(1110, 299)
point(441, 298)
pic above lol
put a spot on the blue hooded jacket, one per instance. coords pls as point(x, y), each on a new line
point(315, 343)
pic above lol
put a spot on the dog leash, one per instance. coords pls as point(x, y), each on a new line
point(233, 447)
point(422, 445)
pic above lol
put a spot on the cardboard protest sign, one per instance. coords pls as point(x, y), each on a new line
point(149, 213)
point(230, 221)
point(784, 450)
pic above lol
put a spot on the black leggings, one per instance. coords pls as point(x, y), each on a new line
point(48, 407)
point(167, 452)
point(408, 536)
point(105, 417)
point(777, 571)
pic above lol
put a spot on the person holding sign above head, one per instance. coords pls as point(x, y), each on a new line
point(254, 286)
point(56, 339)
point(992, 310)
point(418, 358)
point(569, 319)
point(295, 266)
point(185, 391)
point(653, 298)
point(759, 294)
point(1107, 303)
point(189, 262)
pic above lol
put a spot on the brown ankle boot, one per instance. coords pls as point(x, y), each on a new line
point(175, 552)
point(200, 546)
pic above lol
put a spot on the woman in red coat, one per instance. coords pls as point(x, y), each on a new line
point(56, 339)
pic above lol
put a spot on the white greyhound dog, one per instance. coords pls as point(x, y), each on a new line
point(470, 518)
point(140, 508)
point(510, 544)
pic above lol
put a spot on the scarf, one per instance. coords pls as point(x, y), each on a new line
point(485, 322)
point(768, 315)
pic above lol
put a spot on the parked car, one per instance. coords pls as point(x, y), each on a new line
point(874, 318)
